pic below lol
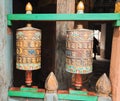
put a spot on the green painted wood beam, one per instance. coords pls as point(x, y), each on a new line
point(64, 17)
point(78, 92)
point(26, 94)
point(39, 95)
point(27, 89)
point(77, 97)
point(117, 23)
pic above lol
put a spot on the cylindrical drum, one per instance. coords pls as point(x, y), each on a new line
point(28, 47)
point(79, 49)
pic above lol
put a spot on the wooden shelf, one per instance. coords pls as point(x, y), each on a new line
point(60, 17)
point(72, 95)
point(65, 17)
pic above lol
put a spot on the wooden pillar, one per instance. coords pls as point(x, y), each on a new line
point(63, 6)
point(102, 40)
point(5, 50)
point(115, 65)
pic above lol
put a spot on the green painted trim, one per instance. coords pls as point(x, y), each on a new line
point(9, 23)
point(117, 23)
point(64, 17)
point(74, 97)
point(27, 89)
point(54, 17)
point(26, 94)
point(78, 92)
point(77, 97)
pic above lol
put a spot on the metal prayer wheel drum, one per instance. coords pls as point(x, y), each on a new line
point(28, 47)
point(79, 49)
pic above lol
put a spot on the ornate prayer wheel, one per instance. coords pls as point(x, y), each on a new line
point(79, 49)
point(28, 47)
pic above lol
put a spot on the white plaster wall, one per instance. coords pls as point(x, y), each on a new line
point(5, 50)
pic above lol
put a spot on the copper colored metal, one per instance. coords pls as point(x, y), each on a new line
point(92, 94)
point(63, 92)
point(28, 47)
point(28, 78)
point(15, 88)
point(78, 81)
point(79, 49)
point(41, 90)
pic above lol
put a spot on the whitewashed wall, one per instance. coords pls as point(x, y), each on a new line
point(5, 50)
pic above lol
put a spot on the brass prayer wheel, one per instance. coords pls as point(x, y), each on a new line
point(28, 47)
point(79, 49)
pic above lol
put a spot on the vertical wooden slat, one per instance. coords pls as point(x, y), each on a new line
point(63, 6)
point(103, 40)
point(115, 65)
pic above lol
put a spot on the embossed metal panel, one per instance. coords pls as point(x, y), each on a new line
point(79, 48)
point(28, 47)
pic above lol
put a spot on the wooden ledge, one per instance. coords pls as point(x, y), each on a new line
point(65, 17)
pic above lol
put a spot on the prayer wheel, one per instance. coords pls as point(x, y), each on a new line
point(28, 48)
point(79, 49)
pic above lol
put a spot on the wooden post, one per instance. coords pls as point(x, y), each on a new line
point(115, 60)
point(5, 50)
point(102, 40)
point(63, 6)
point(115, 65)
